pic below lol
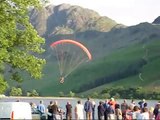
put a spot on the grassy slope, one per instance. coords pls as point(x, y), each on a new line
point(150, 73)
point(100, 68)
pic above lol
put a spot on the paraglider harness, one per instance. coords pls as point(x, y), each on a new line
point(61, 80)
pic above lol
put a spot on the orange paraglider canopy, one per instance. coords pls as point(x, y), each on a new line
point(70, 54)
point(73, 42)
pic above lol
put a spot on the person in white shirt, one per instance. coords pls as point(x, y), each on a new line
point(136, 112)
point(144, 115)
point(79, 113)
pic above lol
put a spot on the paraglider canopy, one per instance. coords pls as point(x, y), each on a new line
point(70, 54)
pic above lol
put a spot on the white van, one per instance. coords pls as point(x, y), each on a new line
point(15, 110)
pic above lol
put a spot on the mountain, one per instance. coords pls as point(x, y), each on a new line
point(120, 53)
point(67, 19)
point(115, 39)
point(157, 20)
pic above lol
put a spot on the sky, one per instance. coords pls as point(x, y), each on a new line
point(127, 12)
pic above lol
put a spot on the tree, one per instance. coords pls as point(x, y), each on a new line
point(61, 94)
point(105, 95)
point(71, 94)
point(3, 84)
point(16, 91)
point(32, 93)
point(20, 44)
point(94, 95)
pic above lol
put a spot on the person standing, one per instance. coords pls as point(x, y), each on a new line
point(79, 115)
point(128, 113)
point(88, 109)
point(144, 115)
point(93, 110)
point(68, 111)
point(106, 107)
point(100, 111)
point(55, 110)
point(41, 107)
point(49, 108)
point(124, 107)
point(118, 112)
point(112, 102)
point(132, 104)
point(111, 111)
point(136, 112)
point(142, 104)
point(156, 110)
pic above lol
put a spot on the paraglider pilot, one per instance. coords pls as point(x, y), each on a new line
point(61, 80)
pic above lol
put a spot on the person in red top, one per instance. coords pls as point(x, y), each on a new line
point(112, 102)
point(129, 113)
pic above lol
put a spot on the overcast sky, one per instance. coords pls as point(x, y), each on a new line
point(127, 12)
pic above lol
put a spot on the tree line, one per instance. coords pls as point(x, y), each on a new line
point(121, 92)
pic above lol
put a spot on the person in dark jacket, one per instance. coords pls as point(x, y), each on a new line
point(93, 109)
point(55, 110)
point(49, 108)
point(106, 106)
point(88, 109)
point(156, 110)
point(68, 111)
point(101, 110)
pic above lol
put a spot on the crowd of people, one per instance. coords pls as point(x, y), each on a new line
point(105, 110)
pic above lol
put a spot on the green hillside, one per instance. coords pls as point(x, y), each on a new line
point(136, 65)
point(147, 75)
